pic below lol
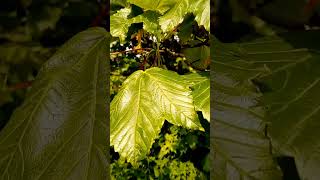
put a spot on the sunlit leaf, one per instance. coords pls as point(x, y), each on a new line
point(146, 100)
point(155, 5)
point(120, 23)
point(175, 15)
point(201, 92)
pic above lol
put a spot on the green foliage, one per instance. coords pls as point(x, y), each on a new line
point(153, 94)
point(146, 100)
point(62, 120)
point(163, 14)
point(175, 15)
point(198, 57)
point(284, 69)
point(201, 92)
point(241, 149)
point(169, 157)
point(294, 109)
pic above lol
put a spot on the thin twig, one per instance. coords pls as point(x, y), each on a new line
point(145, 49)
point(130, 50)
point(21, 85)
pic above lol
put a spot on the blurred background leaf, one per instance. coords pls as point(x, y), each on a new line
point(30, 32)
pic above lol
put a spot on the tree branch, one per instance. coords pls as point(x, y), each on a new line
point(21, 85)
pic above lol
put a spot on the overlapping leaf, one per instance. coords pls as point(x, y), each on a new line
point(172, 13)
point(198, 57)
point(289, 77)
point(120, 23)
point(241, 149)
point(60, 130)
point(138, 111)
point(294, 108)
point(155, 5)
point(201, 10)
point(201, 92)
point(175, 15)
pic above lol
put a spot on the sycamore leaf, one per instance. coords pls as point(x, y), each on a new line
point(198, 57)
point(175, 15)
point(172, 13)
point(145, 101)
point(201, 92)
point(173, 96)
point(294, 106)
point(150, 22)
point(185, 29)
point(289, 78)
point(120, 23)
point(241, 150)
point(135, 119)
point(201, 10)
point(59, 132)
point(155, 5)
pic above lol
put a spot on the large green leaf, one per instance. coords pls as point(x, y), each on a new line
point(201, 10)
point(198, 57)
point(174, 11)
point(150, 22)
point(201, 92)
point(289, 77)
point(241, 149)
point(155, 5)
point(145, 101)
point(175, 15)
point(120, 23)
point(60, 131)
point(294, 109)
point(135, 120)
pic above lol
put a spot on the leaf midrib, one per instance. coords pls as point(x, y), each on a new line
point(46, 89)
point(182, 112)
point(81, 59)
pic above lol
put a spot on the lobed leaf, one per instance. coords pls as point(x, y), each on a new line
point(120, 23)
point(175, 15)
point(241, 149)
point(172, 13)
point(60, 131)
point(156, 5)
point(135, 119)
point(289, 78)
point(201, 92)
point(294, 108)
point(145, 101)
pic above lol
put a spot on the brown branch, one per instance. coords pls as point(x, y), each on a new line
point(145, 49)
point(21, 85)
point(130, 50)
